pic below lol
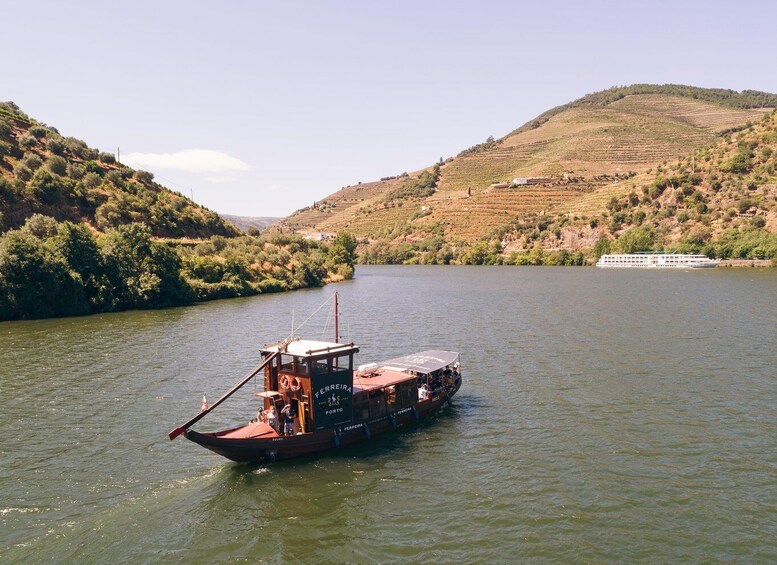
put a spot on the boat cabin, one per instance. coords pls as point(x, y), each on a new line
point(315, 377)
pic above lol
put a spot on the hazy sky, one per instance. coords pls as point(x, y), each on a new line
point(260, 108)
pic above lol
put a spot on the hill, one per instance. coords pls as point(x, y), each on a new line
point(570, 157)
point(81, 233)
point(247, 223)
point(43, 172)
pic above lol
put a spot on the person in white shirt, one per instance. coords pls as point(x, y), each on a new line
point(272, 418)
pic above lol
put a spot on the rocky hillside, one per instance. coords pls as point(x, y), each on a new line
point(43, 172)
point(573, 159)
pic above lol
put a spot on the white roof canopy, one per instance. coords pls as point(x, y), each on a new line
point(309, 347)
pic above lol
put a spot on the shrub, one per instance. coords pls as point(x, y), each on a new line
point(22, 171)
point(115, 178)
point(76, 171)
point(5, 129)
point(758, 221)
point(57, 165)
point(77, 147)
point(32, 161)
point(38, 131)
point(57, 146)
point(46, 187)
point(144, 177)
point(744, 205)
point(741, 162)
point(107, 158)
point(92, 180)
point(94, 167)
point(28, 142)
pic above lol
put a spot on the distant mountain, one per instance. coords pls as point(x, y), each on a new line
point(571, 159)
point(246, 223)
point(44, 172)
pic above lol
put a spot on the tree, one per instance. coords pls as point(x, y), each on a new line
point(602, 246)
point(636, 239)
point(144, 273)
point(35, 283)
point(78, 247)
point(343, 249)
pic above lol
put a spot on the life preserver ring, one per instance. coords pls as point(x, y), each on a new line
point(290, 383)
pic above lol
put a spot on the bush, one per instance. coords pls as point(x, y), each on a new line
point(57, 146)
point(740, 163)
point(144, 177)
point(28, 142)
point(107, 158)
point(22, 171)
point(92, 180)
point(76, 171)
point(57, 165)
point(758, 221)
point(38, 131)
point(5, 129)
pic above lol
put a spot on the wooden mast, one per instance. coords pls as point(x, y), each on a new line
point(337, 318)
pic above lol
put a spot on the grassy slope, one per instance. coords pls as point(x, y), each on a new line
point(43, 172)
point(593, 140)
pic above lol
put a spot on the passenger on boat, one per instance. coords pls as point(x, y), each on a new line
point(289, 412)
point(423, 392)
point(272, 418)
point(261, 415)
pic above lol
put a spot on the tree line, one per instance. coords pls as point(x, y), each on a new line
point(50, 268)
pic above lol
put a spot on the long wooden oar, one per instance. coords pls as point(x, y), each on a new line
point(181, 429)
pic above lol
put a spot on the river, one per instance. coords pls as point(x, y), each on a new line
point(606, 416)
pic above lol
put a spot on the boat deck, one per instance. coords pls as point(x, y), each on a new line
point(251, 431)
point(378, 378)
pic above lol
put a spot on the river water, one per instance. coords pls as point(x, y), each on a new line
point(605, 416)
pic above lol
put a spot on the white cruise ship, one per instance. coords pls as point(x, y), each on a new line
point(657, 261)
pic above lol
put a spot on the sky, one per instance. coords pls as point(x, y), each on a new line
point(260, 108)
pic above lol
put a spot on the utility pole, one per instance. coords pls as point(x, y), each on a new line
point(118, 155)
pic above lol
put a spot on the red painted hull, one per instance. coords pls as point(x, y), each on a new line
point(265, 450)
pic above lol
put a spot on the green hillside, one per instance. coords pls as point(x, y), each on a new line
point(81, 233)
point(43, 172)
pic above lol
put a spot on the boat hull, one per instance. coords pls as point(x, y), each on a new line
point(278, 448)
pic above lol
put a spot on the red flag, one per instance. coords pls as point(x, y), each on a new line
point(204, 404)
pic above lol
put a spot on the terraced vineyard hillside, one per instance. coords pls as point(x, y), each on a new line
point(585, 151)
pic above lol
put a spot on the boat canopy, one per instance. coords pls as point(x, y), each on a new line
point(310, 348)
point(423, 362)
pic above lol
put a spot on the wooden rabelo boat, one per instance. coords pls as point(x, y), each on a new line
point(335, 405)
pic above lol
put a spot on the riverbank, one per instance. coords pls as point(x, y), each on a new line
point(760, 263)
